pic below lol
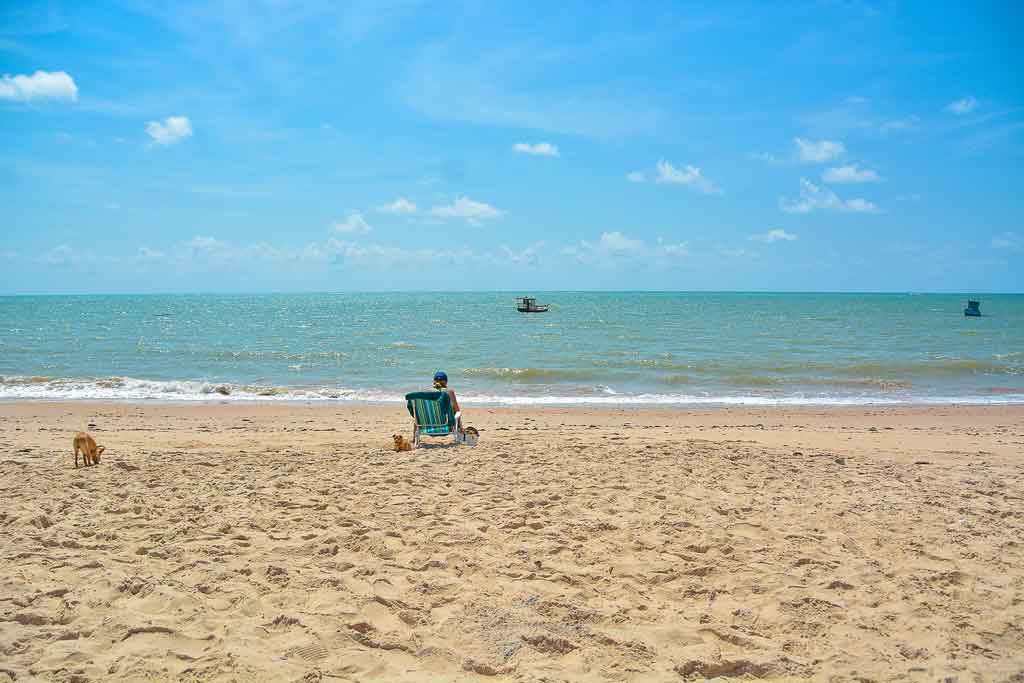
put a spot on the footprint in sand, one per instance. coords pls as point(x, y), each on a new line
point(747, 530)
point(310, 652)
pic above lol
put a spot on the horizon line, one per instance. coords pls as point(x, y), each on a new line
point(240, 292)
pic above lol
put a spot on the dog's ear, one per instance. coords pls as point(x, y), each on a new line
point(99, 450)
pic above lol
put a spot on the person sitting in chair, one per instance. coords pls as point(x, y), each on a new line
point(441, 384)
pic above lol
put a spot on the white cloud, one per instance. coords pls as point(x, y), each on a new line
point(818, 152)
point(774, 235)
point(850, 173)
point(962, 106)
point(688, 175)
point(42, 85)
point(399, 206)
point(203, 243)
point(813, 198)
point(500, 89)
point(616, 247)
point(616, 241)
point(767, 157)
point(147, 254)
point(742, 254)
point(382, 256)
point(1007, 240)
point(636, 177)
point(59, 256)
point(610, 247)
point(677, 250)
point(530, 256)
point(173, 129)
point(354, 224)
point(464, 207)
point(898, 125)
point(541, 149)
point(205, 251)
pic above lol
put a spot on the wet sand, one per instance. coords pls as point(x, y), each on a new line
point(289, 542)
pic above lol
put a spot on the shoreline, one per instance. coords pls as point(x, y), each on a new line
point(543, 403)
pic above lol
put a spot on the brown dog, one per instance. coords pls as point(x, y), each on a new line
point(402, 443)
point(90, 451)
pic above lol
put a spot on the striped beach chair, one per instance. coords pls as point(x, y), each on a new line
point(432, 415)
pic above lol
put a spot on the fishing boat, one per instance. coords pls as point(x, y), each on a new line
point(527, 304)
point(973, 309)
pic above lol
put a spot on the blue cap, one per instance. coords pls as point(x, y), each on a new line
point(441, 376)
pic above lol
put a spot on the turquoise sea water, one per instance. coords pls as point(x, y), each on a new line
point(639, 348)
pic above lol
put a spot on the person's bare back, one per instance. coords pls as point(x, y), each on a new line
point(441, 384)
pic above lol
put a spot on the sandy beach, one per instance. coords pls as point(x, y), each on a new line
point(289, 542)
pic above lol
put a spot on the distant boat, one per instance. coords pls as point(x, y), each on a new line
point(973, 309)
point(527, 304)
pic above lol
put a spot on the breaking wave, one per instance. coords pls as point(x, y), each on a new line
point(131, 390)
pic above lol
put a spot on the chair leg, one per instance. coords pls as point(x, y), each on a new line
point(416, 436)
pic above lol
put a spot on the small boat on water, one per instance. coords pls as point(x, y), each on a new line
point(973, 309)
point(527, 304)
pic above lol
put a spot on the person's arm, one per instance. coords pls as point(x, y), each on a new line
point(455, 401)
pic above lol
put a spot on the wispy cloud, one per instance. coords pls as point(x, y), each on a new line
point(341, 252)
point(399, 206)
point(205, 252)
point(815, 198)
point(898, 125)
point(616, 247)
point(59, 256)
point(636, 177)
point(204, 243)
point(818, 152)
point(148, 254)
point(497, 90)
point(171, 130)
point(616, 241)
point(962, 106)
point(739, 254)
point(767, 157)
point(540, 149)
point(1007, 240)
point(42, 85)
point(998, 136)
point(850, 173)
point(353, 224)
point(774, 235)
point(465, 208)
point(688, 175)
point(674, 250)
point(528, 256)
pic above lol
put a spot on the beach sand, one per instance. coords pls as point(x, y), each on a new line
point(289, 542)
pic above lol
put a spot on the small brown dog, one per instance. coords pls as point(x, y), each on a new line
point(90, 451)
point(402, 443)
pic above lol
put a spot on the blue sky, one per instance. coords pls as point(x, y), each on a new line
point(282, 146)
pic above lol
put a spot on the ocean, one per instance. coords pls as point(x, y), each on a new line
point(615, 348)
